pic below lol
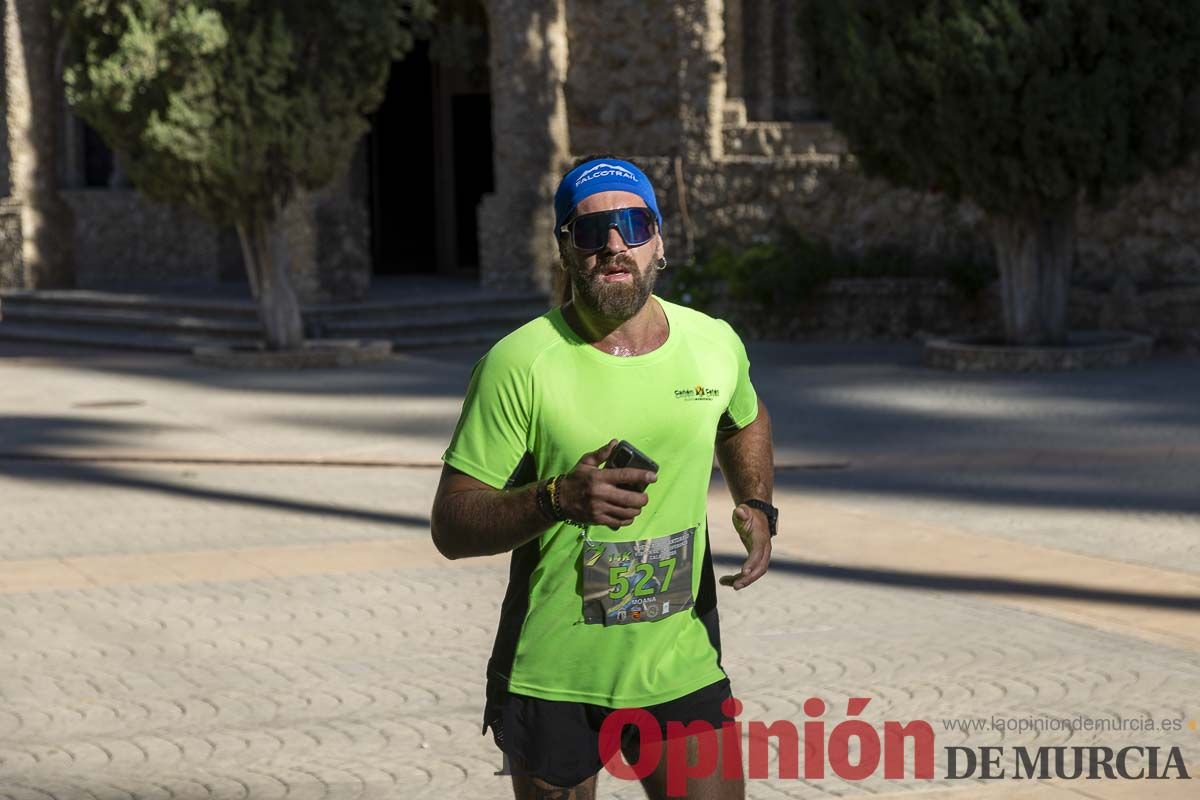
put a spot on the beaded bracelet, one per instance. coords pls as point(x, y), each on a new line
point(544, 503)
point(553, 486)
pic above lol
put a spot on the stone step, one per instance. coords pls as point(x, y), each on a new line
point(246, 309)
point(491, 318)
point(165, 343)
point(89, 299)
point(425, 305)
point(131, 318)
point(114, 338)
point(173, 323)
point(455, 338)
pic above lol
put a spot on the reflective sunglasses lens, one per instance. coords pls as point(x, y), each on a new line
point(590, 232)
point(636, 225)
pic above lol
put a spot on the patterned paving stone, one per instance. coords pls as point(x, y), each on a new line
point(369, 685)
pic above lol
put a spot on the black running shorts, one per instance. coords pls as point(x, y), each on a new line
point(560, 741)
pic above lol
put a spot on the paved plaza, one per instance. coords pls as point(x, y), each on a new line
point(219, 584)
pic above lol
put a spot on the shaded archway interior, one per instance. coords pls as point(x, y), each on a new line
point(430, 162)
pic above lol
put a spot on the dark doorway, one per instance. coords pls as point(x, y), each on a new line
point(430, 158)
point(402, 178)
point(472, 119)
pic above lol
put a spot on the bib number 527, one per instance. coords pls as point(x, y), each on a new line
point(645, 579)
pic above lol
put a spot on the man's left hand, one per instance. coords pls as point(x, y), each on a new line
point(752, 526)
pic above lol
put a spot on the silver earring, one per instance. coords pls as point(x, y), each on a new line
point(662, 263)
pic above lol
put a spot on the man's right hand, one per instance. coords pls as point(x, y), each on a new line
point(592, 495)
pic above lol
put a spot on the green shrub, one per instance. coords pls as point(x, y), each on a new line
point(789, 270)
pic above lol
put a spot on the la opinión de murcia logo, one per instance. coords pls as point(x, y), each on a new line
point(603, 170)
point(817, 750)
point(875, 747)
point(1134, 762)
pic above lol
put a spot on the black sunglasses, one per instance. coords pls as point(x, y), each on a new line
point(589, 232)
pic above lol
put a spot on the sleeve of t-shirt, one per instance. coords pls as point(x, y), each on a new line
point(743, 402)
point(493, 430)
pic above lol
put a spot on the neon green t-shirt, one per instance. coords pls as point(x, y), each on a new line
point(539, 400)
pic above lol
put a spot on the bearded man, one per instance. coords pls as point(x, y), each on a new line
point(585, 448)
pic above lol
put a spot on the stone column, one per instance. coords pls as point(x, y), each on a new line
point(5, 150)
point(33, 106)
point(701, 39)
point(528, 62)
point(12, 266)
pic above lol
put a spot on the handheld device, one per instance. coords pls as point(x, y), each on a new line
point(626, 455)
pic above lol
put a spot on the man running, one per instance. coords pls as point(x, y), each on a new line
point(611, 598)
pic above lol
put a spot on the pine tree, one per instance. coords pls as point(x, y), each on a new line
point(1022, 106)
point(232, 106)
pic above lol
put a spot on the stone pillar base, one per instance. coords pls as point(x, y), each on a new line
point(328, 245)
point(12, 261)
point(504, 235)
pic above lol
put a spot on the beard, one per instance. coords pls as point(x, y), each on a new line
point(614, 300)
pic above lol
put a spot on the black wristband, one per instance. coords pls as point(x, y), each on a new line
point(770, 511)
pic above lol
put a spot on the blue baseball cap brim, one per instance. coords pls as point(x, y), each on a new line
point(601, 175)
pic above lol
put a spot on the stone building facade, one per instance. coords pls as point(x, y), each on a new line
point(710, 96)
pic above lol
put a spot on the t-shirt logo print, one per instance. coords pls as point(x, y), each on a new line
point(697, 392)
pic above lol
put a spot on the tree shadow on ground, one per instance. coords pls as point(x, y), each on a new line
point(22, 439)
point(944, 582)
point(829, 402)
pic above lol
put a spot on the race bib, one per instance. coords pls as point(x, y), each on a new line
point(639, 581)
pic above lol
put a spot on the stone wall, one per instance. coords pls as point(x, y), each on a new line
point(1152, 233)
point(890, 309)
point(621, 89)
point(901, 309)
point(1149, 233)
point(743, 199)
point(122, 239)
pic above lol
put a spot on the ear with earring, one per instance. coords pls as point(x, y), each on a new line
point(662, 262)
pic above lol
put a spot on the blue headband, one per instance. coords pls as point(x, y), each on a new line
point(601, 175)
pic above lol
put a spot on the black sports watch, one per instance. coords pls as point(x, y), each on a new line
point(771, 511)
